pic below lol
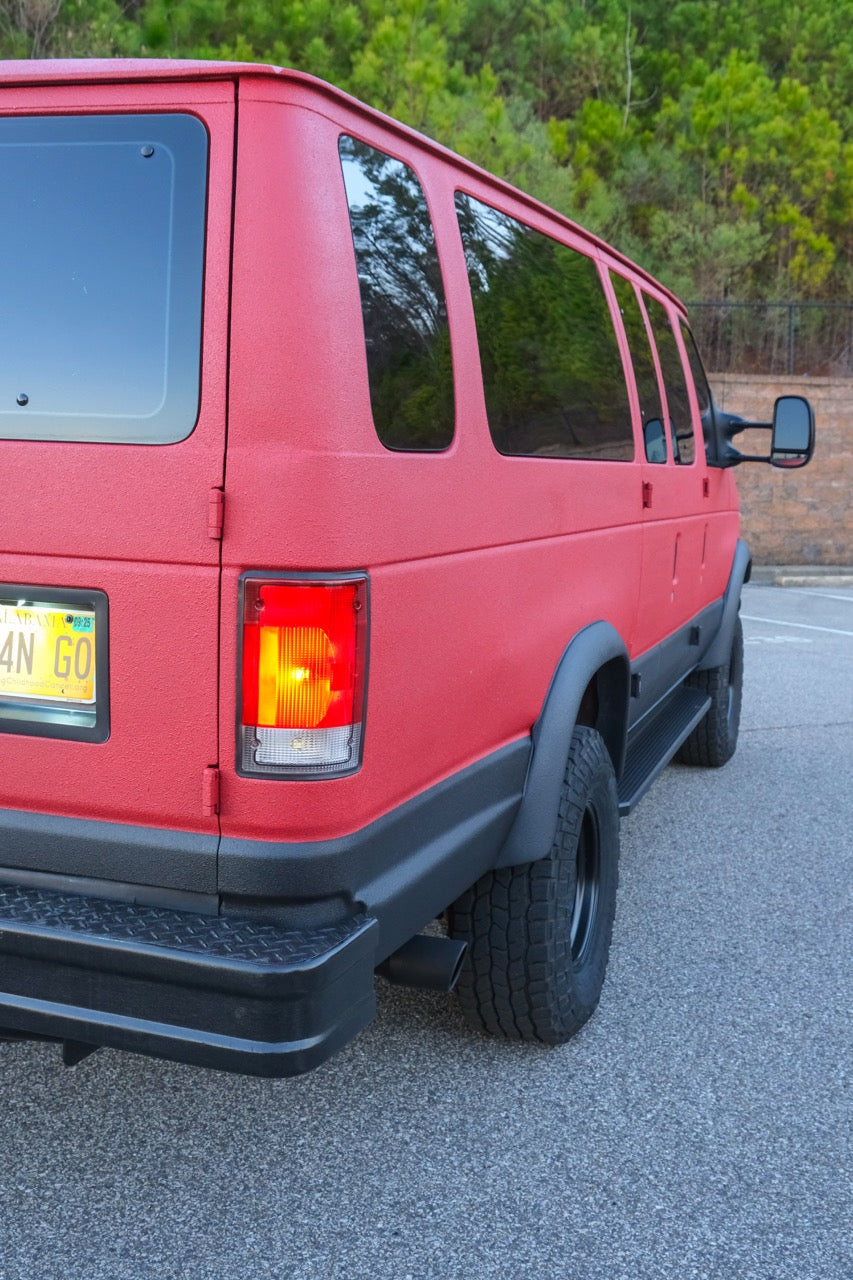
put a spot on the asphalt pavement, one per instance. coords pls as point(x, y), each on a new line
point(698, 1128)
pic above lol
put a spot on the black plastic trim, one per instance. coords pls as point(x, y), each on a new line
point(75, 598)
point(597, 648)
point(662, 668)
point(404, 868)
point(108, 851)
point(140, 895)
point(639, 694)
point(283, 976)
point(241, 995)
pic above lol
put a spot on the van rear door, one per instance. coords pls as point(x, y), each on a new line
point(115, 215)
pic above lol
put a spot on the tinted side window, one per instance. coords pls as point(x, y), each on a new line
point(552, 372)
point(645, 375)
point(102, 242)
point(402, 300)
point(700, 381)
point(680, 420)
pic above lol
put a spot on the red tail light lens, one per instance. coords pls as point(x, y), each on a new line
point(302, 675)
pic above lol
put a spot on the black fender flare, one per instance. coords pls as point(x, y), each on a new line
point(596, 652)
point(720, 647)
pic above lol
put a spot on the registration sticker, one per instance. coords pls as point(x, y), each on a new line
point(47, 652)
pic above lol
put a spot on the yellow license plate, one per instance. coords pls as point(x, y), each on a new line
point(47, 652)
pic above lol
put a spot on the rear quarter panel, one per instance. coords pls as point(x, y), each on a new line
point(482, 567)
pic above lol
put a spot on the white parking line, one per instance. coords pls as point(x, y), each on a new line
point(777, 640)
point(776, 622)
point(822, 595)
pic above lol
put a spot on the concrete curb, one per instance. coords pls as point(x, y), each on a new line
point(805, 575)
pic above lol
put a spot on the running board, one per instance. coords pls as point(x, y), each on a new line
point(654, 745)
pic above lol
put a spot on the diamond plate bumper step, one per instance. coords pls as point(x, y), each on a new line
point(243, 995)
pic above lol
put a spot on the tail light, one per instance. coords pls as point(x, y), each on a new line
point(303, 675)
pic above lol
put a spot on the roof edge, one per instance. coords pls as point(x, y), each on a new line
point(58, 71)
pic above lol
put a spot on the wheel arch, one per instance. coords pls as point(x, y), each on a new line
point(591, 685)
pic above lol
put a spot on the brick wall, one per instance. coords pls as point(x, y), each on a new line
point(796, 517)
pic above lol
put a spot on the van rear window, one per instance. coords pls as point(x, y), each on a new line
point(552, 372)
point(402, 300)
point(102, 246)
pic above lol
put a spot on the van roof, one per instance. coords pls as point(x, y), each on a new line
point(55, 71)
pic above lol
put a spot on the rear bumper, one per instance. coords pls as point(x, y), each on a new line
point(241, 995)
point(267, 969)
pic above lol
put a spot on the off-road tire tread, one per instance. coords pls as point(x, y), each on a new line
point(517, 981)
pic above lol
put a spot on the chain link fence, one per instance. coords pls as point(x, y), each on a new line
point(783, 338)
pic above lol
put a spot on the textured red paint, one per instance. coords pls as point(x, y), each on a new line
point(482, 568)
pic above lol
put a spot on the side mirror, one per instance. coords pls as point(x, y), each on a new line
point(655, 440)
point(793, 432)
point(792, 441)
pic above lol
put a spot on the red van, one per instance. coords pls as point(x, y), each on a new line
point(369, 546)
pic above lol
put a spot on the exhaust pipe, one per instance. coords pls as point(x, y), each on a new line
point(425, 961)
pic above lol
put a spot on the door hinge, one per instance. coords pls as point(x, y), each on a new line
point(215, 513)
point(648, 490)
point(210, 791)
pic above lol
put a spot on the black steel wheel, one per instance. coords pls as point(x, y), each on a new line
point(539, 935)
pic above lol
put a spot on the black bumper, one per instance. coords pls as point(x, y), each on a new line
point(242, 995)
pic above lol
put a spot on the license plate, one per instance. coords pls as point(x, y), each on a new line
point(47, 652)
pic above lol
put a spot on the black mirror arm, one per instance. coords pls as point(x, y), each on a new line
point(732, 425)
point(736, 429)
point(729, 425)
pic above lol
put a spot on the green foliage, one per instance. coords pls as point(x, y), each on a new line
point(708, 139)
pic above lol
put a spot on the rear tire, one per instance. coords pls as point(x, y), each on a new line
point(539, 935)
point(712, 743)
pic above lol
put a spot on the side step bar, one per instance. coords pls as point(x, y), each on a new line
point(238, 994)
point(653, 744)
